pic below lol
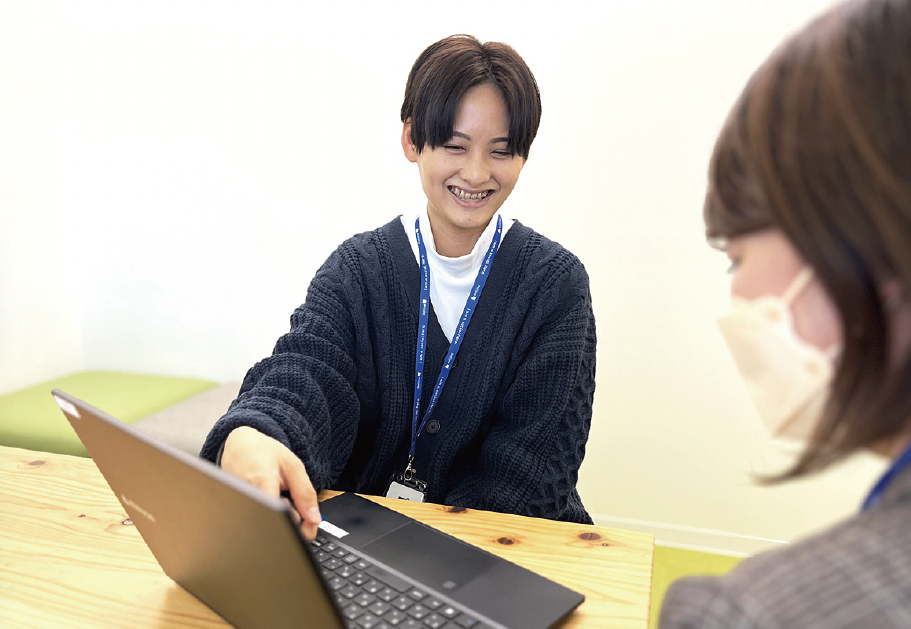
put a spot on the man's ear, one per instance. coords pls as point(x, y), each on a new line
point(411, 153)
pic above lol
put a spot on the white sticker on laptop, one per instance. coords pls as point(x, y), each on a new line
point(330, 528)
point(67, 407)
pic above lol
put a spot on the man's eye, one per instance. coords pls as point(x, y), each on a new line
point(452, 147)
point(502, 153)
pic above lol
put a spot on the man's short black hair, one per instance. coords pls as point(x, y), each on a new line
point(448, 69)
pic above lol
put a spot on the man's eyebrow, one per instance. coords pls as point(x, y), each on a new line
point(465, 136)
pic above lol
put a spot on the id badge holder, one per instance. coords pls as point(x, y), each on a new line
point(411, 489)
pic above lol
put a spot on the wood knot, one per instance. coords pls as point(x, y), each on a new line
point(457, 510)
point(506, 541)
point(81, 515)
point(589, 537)
point(127, 522)
point(37, 462)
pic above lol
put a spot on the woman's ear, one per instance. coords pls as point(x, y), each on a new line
point(411, 153)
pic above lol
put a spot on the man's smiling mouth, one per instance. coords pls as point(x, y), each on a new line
point(468, 196)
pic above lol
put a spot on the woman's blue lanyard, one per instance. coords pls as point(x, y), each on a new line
point(903, 461)
point(423, 318)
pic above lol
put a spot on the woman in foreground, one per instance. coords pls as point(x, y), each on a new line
point(810, 194)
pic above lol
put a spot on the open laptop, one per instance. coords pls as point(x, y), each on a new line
point(237, 549)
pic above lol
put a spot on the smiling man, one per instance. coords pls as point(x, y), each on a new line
point(448, 356)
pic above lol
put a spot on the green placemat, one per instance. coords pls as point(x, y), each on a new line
point(29, 418)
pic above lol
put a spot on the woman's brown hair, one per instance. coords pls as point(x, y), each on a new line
point(819, 146)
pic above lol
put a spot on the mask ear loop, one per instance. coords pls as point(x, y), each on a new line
point(797, 285)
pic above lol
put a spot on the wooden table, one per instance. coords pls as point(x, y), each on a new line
point(69, 557)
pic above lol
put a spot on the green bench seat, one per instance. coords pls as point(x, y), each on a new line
point(29, 418)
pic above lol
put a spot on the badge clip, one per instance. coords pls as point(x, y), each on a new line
point(406, 486)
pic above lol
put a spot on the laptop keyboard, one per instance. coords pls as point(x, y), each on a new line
point(370, 597)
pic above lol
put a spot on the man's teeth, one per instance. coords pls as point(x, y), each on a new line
point(465, 196)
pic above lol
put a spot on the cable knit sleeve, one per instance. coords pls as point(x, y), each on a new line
point(303, 395)
point(529, 461)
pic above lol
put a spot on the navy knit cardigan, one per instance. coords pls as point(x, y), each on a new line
point(515, 412)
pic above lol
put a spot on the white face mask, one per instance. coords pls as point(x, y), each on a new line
point(787, 378)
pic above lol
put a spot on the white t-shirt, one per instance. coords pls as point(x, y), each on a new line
point(451, 279)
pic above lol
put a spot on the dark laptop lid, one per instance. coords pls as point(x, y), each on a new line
point(236, 548)
point(227, 543)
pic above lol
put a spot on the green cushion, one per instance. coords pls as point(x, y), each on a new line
point(30, 418)
point(674, 563)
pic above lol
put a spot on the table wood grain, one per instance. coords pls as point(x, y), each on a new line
point(69, 557)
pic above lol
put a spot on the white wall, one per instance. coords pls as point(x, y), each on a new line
point(40, 333)
point(172, 174)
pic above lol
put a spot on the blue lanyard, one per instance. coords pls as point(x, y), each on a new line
point(903, 461)
point(423, 318)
